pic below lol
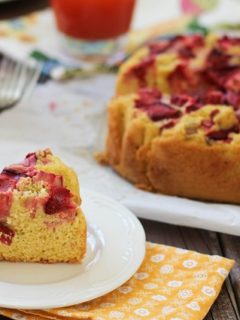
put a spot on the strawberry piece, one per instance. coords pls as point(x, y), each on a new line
point(214, 97)
point(225, 42)
point(207, 124)
point(18, 170)
point(162, 111)
point(15, 171)
point(186, 53)
point(233, 83)
point(7, 182)
point(217, 59)
point(147, 97)
point(237, 113)
point(219, 77)
point(233, 99)
point(30, 160)
point(184, 45)
point(183, 80)
point(222, 134)
point(49, 178)
point(150, 101)
point(140, 70)
point(6, 234)
point(158, 47)
point(183, 99)
point(168, 125)
point(60, 200)
point(5, 204)
point(214, 113)
point(192, 107)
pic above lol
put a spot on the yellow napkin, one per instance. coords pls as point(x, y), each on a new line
point(171, 284)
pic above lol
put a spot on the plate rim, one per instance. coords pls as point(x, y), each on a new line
point(120, 277)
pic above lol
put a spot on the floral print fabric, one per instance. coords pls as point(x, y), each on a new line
point(171, 284)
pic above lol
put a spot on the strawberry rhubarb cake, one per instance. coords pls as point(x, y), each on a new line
point(40, 217)
point(173, 126)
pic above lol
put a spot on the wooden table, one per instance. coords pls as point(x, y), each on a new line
point(227, 306)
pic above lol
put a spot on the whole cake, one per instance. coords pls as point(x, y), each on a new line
point(173, 126)
point(40, 215)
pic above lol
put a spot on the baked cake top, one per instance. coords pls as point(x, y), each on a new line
point(188, 86)
point(180, 64)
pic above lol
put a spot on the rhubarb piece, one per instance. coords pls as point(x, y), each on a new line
point(207, 124)
point(60, 200)
point(222, 134)
point(6, 234)
point(150, 101)
point(140, 70)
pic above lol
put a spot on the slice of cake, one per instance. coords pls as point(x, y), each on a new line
point(40, 217)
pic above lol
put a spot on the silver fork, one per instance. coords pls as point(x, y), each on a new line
point(17, 80)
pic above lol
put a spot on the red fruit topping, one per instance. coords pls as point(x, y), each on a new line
point(60, 200)
point(222, 134)
point(149, 93)
point(218, 135)
point(225, 42)
point(150, 101)
point(217, 59)
point(214, 97)
point(183, 80)
point(49, 178)
point(207, 124)
point(18, 170)
point(15, 172)
point(168, 125)
point(183, 45)
point(194, 41)
point(233, 99)
point(186, 46)
point(30, 160)
point(178, 43)
point(191, 108)
point(183, 99)
point(140, 70)
point(5, 204)
point(233, 83)
point(7, 182)
point(147, 97)
point(214, 113)
point(164, 45)
point(228, 140)
point(162, 111)
point(6, 234)
point(237, 113)
point(219, 77)
point(159, 46)
point(186, 53)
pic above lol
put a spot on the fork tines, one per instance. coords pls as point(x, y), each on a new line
point(17, 79)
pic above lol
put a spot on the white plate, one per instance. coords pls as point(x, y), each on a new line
point(116, 248)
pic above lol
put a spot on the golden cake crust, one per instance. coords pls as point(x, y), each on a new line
point(174, 166)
